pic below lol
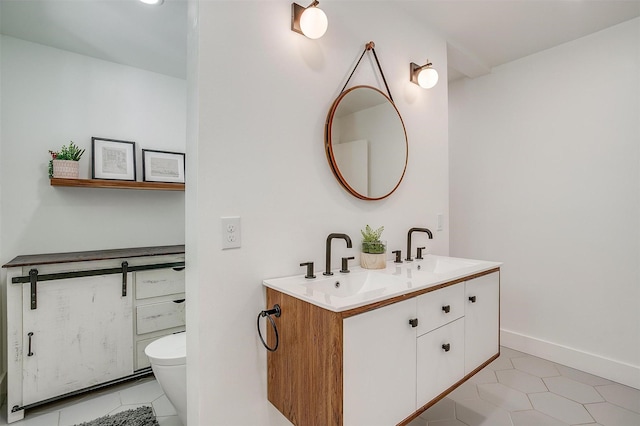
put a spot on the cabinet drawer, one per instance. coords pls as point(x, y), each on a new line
point(159, 316)
point(440, 307)
point(437, 368)
point(159, 282)
point(142, 361)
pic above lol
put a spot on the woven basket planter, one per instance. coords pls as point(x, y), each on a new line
point(66, 169)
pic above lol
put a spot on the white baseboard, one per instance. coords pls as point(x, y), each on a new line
point(598, 365)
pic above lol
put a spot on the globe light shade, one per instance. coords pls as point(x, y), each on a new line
point(153, 2)
point(427, 78)
point(313, 22)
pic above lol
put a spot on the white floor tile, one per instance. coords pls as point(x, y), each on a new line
point(452, 422)
point(169, 421)
point(477, 412)
point(143, 393)
point(621, 395)
point(501, 363)
point(445, 409)
point(46, 419)
point(582, 377)
point(467, 390)
point(511, 353)
point(536, 366)
point(521, 381)
point(608, 414)
point(504, 397)
point(560, 408)
point(485, 375)
point(573, 390)
point(162, 407)
point(534, 418)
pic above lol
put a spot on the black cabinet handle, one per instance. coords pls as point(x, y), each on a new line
point(178, 269)
point(178, 301)
point(446, 347)
point(413, 322)
point(472, 299)
point(446, 309)
point(30, 334)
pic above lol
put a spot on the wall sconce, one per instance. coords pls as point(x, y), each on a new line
point(309, 21)
point(424, 76)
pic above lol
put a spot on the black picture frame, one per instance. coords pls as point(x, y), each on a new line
point(113, 159)
point(163, 166)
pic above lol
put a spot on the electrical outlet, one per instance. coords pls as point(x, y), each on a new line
point(230, 232)
point(440, 222)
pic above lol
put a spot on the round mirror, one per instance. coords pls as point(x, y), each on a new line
point(366, 143)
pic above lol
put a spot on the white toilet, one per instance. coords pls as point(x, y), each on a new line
point(168, 356)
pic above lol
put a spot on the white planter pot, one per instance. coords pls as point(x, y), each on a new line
point(67, 169)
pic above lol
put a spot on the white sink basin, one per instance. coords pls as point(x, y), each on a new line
point(352, 284)
point(341, 292)
point(441, 264)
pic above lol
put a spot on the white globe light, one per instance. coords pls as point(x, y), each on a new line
point(313, 22)
point(427, 78)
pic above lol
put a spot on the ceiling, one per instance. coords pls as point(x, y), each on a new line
point(480, 34)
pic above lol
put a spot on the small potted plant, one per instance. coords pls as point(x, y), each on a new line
point(373, 249)
point(64, 163)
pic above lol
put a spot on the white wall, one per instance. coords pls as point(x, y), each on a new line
point(51, 97)
point(262, 100)
point(544, 167)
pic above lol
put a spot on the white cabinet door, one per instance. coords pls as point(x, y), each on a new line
point(380, 366)
point(440, 360)
point(82, 335)
point(482, 312)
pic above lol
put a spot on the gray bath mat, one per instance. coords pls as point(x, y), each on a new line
point(142, 416)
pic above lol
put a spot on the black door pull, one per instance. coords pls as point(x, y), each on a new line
point(446, 347)
point(413, 322)
point(446, 309)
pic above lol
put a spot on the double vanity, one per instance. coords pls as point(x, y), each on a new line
point(379, 347)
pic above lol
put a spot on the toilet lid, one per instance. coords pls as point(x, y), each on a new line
point(168, 350)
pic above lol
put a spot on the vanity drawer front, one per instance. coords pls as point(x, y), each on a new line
point(440, 360)
point(440, 307)
point(159, 282)
point(160, 316)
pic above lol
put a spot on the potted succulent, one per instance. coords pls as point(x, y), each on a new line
point(373, 249)
point(64, 163)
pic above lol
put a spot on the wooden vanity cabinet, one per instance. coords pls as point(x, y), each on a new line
point(377, 365)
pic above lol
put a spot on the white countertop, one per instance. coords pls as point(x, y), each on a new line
point(341, 292)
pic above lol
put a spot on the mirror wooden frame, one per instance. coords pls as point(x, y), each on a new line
point(330, 152)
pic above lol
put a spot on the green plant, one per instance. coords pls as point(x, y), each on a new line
point(70, 152)
point(371, 240)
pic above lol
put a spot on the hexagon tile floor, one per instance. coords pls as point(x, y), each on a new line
point(518, 389)
point(515, 390)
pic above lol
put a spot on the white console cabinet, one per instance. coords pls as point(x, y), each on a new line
point(77, 321)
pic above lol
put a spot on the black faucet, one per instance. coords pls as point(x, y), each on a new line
point(409, 259)
point(328, 249)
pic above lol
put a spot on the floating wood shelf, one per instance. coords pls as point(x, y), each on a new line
point(117, 184)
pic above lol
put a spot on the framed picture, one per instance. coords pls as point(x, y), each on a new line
point(162, 166)
point(113, 159)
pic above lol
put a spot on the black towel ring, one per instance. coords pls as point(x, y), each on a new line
point(277, 312)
